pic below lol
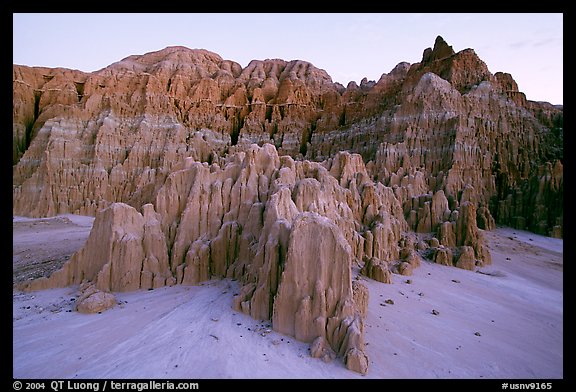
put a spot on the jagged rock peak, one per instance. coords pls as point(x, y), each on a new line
point(441, 50)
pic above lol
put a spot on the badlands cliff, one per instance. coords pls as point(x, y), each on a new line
point(275, 176)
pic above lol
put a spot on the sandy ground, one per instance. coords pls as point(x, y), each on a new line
point(41, 246)
point(503, 321)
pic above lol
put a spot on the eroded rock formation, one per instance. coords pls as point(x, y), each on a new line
point(287, 230)
point(275, 176)
point(85, 140)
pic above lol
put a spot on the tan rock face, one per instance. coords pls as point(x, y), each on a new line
point(92, 300)
point(361, 295)
point(443, 256)
point(377, 270)
point(315, 297)
point(320, 349)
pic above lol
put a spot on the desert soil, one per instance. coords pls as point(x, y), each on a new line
point(41, 246)
point(504, 320)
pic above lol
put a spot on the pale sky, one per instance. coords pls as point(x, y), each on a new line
point(349, 46)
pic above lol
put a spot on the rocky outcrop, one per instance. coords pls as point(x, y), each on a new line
point(289, 231)
point(361, 295)
point(466, 259)
point(272, 175)
point(536, 203)
point(85, 140)
point(124, 251)
point(314, 297)
point(320, 349)
point(92, 300)
point(377, 270)
point(459, 241)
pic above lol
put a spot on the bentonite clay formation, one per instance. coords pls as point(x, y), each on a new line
point(275, 176)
